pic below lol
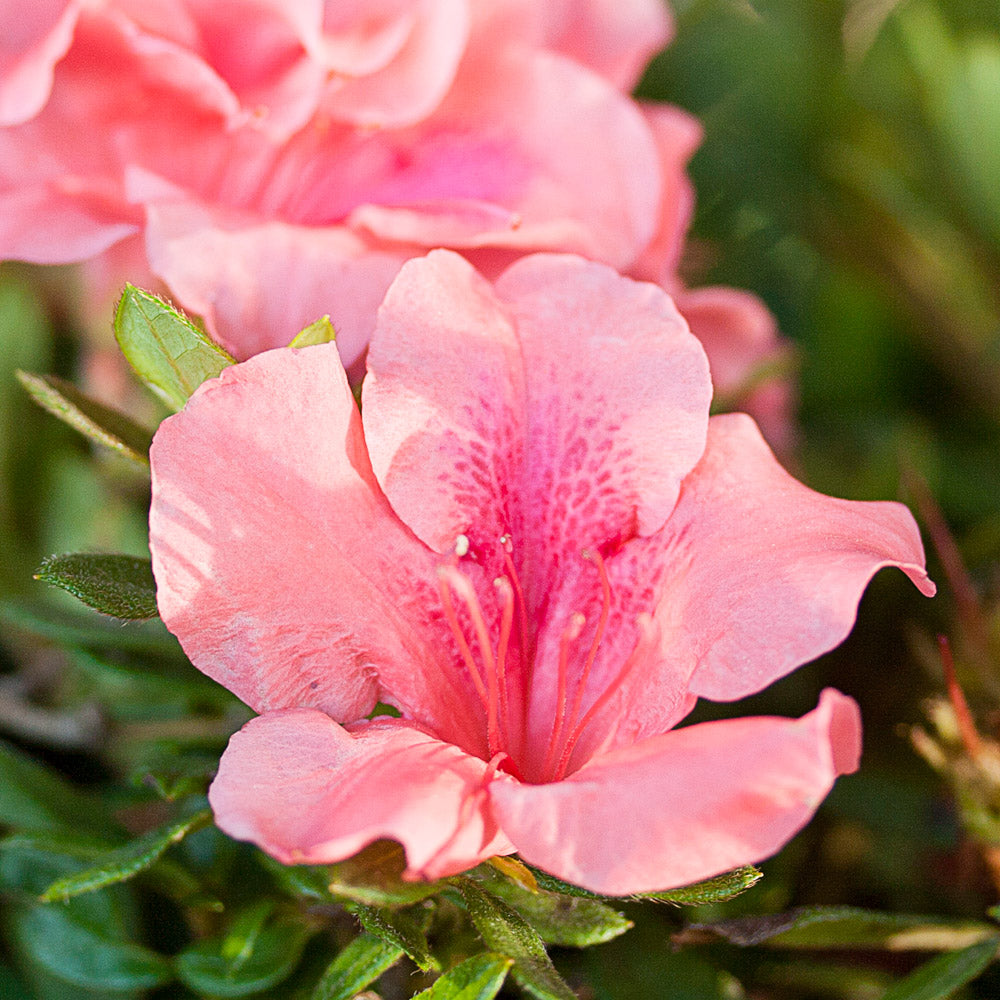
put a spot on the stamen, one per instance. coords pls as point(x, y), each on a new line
point(456, 631)
point(592, 555)
point(647, 635)
point(502, 584)
point(462, 546)
point(527, 662)
point(491, 769)
point(570, 634)
point(464, 589)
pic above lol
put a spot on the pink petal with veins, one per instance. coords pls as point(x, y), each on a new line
point(309, 792)
point(684, 806)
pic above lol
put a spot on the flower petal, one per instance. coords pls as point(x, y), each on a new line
point(686, 805)
point(617, 393)
point(34, 36)
point(415, 80)
point(763, 573)
point(569, 155)
point(565, 406)
point(741, 339)
point(309, 792)
point(442, 400)
point(616, 38)
point(735, 328)
point(677, 136)
point(44, 225)
point(258, 283)
point(279, 564)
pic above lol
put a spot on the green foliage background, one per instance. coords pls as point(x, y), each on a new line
point(850, 175)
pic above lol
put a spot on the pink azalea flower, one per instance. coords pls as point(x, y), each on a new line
point(537, 546)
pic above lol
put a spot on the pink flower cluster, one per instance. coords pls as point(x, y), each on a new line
point(536, 545)
point(274, 160)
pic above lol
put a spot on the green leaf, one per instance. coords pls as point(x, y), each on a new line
point(505, 931)
point(374, 877)
point(94, 420)
point(477, 978)
point(553, 884)
point(85, 631)
point(11, 987)
point(398, 928)
point(941, 976)
point(845, 927)
point(139, 690)
point(44, 857)
point(714, 890)
point(83, 955)
point(558, 919)
point(34, 797)
point(272, 956)
point(58, 843)
point(116, 585)
point(168, 352)
point(357, 966)
point(128, 860)
point(240, 942)
point(319, 332)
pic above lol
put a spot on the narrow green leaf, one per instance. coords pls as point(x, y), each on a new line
point(845, 927)
point(34, 797)
point(398, 928)
point(116, 585)
point(276, 951)
point(80, 954)
point(505, 931)
point(941, 976)
point(126, 861)
point(168, 352)
point(558, 918)
point(357, 966)
point(63, 844)
point(714, 890)
point(320, 331)
point(94, 420)
point(477, 978)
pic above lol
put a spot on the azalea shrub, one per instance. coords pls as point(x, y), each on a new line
point(438, 576)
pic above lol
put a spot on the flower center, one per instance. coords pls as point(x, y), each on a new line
point(498, 668)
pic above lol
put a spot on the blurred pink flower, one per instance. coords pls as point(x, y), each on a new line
point(271, 162)
point(537, 546)
point(279, 161)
